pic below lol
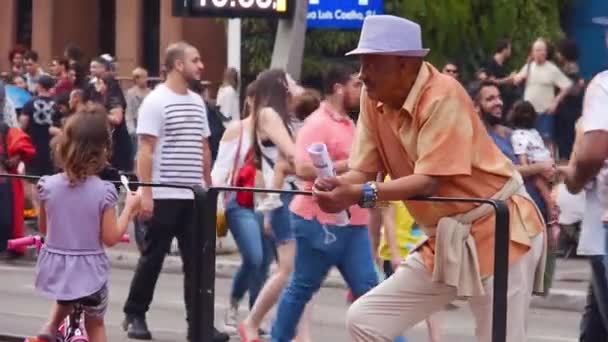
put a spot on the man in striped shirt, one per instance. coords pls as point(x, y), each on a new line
point(173, 148)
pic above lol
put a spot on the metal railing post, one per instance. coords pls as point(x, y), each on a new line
point(202, 280)
point(501, 272)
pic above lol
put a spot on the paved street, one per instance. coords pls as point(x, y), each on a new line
point(23, 311)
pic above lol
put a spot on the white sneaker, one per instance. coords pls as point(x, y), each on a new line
point(232, 316)
point(174, 250)
point(270, 203)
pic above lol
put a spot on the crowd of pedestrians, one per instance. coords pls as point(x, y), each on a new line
point(399, 259)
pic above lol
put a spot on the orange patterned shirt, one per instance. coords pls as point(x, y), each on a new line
point(438, 133)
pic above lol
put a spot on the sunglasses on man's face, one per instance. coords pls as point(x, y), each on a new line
point(451, 71)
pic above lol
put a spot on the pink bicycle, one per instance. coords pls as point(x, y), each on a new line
point(72, 329)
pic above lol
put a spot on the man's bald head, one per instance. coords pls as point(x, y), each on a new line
point(184, 59)
point(175, 52)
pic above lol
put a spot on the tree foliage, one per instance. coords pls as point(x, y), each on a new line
point(464, 31)
point(467, 30)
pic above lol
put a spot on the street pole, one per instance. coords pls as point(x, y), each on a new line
point(288, 51)
point(234, 44)
point(234, 47)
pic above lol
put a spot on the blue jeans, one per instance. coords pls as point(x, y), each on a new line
point(316, 253)
point(545, 125)
point(280, 220)
point(256, 251)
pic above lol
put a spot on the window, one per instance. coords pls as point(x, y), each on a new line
point(107, 27)
point(24, 23)
point(151, 36)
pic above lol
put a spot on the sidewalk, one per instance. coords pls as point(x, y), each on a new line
point(568, 292)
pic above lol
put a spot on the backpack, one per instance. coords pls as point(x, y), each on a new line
point(216, 125)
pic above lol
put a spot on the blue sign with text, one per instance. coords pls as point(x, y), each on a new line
point(341, 14)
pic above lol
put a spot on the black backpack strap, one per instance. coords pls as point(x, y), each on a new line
point(271, 163)
point(220, 115)
point(268, 160)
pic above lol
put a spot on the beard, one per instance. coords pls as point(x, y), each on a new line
point(350, 106)
point(194, 85)
point(491, 119)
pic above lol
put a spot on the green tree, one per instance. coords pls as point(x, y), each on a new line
point(322, 47)
point(465, 31)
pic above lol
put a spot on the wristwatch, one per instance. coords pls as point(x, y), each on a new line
point(369, 195)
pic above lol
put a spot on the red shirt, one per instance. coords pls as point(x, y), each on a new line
point(337, 132)
point(63, 85)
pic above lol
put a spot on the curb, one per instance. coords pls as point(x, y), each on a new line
point(561, 299)
point(11, 338)
point(557, 299)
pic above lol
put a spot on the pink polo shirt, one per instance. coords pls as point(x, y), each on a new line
point(337, 132)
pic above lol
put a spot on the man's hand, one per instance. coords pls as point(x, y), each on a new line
point(147, 205)
point(552, 108)
point(517, 79)
point(395, 262)
point(548, 169)
point(563, 172)
point(333, 195)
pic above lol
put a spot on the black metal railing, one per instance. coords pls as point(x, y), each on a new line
point(501, 249)
point(202, 295)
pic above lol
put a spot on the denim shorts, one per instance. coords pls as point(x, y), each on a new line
point(280, 220)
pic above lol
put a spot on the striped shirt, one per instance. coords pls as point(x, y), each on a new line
point(179, 122)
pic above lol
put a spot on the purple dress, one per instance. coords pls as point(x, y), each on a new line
point(72, 264)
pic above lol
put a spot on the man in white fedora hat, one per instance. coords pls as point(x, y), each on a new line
point(420, 127)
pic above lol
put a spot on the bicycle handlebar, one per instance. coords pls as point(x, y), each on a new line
point(37, 240)
point(32, 240)
point(125, 238)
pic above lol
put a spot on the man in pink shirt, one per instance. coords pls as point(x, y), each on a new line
point(321, 244)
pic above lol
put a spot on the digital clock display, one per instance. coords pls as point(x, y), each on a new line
point(238, 8)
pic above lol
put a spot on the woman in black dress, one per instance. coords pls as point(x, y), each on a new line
point(112, 99)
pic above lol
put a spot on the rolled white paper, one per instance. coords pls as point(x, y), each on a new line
point(325, 168)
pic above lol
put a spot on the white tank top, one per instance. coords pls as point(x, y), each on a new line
point(270, 155)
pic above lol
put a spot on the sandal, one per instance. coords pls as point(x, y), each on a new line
point(243, 335)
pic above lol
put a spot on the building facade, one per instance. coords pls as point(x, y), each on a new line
point(136, 32)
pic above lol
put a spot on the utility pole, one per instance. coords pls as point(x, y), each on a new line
point(288, 52)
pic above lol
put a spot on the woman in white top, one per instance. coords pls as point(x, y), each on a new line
point(228, 96)
point(244, 223)
point(542, 77)
point(272, 139)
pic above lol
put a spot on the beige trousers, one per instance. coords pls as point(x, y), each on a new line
point(410, 296)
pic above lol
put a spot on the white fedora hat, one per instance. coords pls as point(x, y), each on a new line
point(390, 35)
